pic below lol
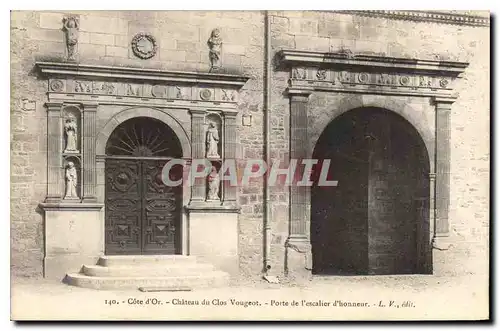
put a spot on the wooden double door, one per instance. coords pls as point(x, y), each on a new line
point(143, 215)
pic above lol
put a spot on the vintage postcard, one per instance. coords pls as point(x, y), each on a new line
point(250, 165)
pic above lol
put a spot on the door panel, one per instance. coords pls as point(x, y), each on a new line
point(142, 213)
point(123, 207)
point(160, 211)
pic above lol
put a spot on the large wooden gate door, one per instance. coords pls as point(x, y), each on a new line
point(142, 213)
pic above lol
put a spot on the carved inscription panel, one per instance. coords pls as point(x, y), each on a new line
point(150, 91)
point(319, 77)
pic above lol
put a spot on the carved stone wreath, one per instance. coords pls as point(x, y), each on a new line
point(144, 46)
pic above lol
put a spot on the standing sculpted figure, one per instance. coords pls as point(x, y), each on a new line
point(212, 141)
point(71, 182)
point(215, 44)
point(213, 185)
point(71, 130)
point(71, 26)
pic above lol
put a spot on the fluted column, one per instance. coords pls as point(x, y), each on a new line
point(442, 198)
point(229, 191)
point(54, 152)
point(198, 191)
point(89, 154)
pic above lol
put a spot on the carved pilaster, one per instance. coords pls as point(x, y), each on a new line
point(54, 150)
point(198, 151)
point(230, 143)
point(299, 195)
point(298, 247)
point(432, 201)
point(442, 198)
point(89, 153)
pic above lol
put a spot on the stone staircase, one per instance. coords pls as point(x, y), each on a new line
point(164, 272)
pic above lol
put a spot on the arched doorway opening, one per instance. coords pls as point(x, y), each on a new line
point(142, 214)
point(376, 220)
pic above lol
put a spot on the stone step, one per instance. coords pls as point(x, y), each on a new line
point(137, 260)
point(172, 269)
point(204, 280)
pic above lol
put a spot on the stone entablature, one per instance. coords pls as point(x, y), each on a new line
point(101, 84)
point(348, 72)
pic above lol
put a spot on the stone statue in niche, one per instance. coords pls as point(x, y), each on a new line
point(215, 45)
point(212, 141)
point(71, 130)
point(71, 27)
point(71, 181)
point(213, 185)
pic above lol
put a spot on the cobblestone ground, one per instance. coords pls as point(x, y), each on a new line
point(322, 298)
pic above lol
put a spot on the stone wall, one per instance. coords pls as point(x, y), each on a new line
point(326, 31)
point(182, 45)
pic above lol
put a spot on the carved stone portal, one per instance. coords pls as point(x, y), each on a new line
point(71, 27)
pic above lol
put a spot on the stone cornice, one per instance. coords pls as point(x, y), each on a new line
point(63, 69)
point(372, 62)
point(423, 16)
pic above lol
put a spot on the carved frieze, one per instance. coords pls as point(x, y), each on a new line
point(345, 71)
point(150, 91)
point(309, 76)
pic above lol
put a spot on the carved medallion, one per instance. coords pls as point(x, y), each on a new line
point(321, 74)
point(443, 82)
point(159, 91)
point(363, 78)
point(205, 94)
point(404, 80)
point(144, 46)
point(56, 85)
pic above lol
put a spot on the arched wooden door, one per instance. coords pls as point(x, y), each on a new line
point(376, 220)
point(142, 214)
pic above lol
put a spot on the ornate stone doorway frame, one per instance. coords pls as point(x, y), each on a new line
point(369, 81)
point(74, 228)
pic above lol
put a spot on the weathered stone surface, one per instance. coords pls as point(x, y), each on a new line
point(105, 39)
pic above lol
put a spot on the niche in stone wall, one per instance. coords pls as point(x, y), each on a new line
point(213, 136)
point(214, 187)
point(72, 178)
point(214, 154)
point(71, 130)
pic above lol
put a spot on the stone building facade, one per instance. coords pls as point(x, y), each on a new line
point(399, 101)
